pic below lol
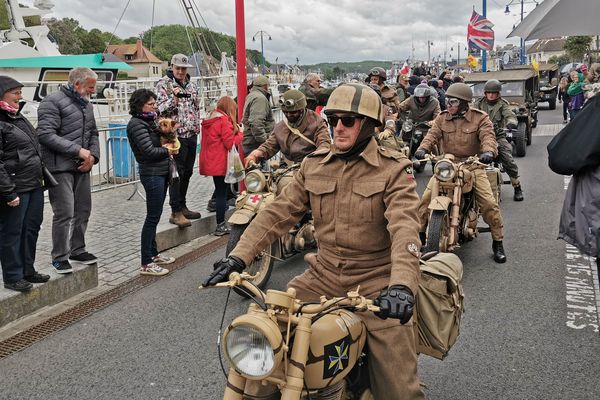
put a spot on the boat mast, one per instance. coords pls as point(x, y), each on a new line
point(200, 40)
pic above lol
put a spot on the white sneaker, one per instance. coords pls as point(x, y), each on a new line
point(162, 260)
point(153, 269)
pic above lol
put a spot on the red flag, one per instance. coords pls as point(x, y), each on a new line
point(405, 70)
point(480, 33)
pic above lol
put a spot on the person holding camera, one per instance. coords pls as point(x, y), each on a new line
point(177, 98)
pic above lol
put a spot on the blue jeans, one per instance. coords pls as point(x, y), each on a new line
point(19, 229)
point(156, 191)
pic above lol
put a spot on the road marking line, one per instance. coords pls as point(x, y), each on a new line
point(582, 287)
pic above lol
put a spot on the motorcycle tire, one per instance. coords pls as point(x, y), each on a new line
point(262, 266)
point(437, 232)
point(520, 139)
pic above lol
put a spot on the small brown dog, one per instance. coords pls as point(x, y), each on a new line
point(168, 133)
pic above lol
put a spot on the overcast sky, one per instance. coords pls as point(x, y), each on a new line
point(313, 30)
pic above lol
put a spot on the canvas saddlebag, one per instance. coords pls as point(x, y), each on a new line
point(440, 305)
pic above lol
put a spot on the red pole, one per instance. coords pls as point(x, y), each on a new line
point(240, 48)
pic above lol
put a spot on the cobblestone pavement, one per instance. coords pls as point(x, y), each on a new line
point(114, 229)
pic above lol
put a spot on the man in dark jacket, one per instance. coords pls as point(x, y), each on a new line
point(69, 138)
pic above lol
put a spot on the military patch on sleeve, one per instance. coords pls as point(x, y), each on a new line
point(409, 173)
point(413, 249)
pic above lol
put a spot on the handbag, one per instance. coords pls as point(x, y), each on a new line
point(235, 169)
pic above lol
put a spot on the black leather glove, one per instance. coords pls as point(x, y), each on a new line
point(222, 269)
point(397, 301)
point(486, 158)
point(511, 126)
point(420, 154)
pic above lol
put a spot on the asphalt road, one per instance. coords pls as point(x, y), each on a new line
point(518, 338)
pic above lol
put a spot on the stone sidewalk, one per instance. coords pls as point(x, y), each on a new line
point(114, 229)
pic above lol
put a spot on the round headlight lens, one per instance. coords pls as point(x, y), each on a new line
point(250, 351)
point(444, 170)
point(407, 126)
point(254, 181)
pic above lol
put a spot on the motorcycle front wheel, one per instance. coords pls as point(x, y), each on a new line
point(262, 265)
point(437, 232)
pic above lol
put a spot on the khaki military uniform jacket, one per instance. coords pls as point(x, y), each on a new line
point(428, 112)
point(500, 114)
point(258, 118)
point(363, 209)
point(291, 145)
point(462, 137)
point(390, 98)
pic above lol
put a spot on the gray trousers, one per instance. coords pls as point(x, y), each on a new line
point(71, 202)
point(507, 160)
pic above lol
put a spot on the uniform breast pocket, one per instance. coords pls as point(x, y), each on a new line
point(470, 136)
point(322, 197)
point(367, 200)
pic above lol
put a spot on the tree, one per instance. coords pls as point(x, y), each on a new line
point(560, 60)
point(577, 46)
point(65, 31)
point(92, 41)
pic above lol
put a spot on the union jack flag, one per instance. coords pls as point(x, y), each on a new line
point(480, 33)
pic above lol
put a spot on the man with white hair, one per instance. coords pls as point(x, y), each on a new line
point(315, 94)
point(69, 141)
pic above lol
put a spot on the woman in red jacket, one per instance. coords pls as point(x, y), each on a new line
point(220, 131)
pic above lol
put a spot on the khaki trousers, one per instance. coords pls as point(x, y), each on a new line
point(484, 198)
point(392, 350)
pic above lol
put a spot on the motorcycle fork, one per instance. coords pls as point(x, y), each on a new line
point(234, 390)
point(297, 362)
point(455, 213)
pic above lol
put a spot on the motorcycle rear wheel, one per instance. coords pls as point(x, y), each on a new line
point(262, 266)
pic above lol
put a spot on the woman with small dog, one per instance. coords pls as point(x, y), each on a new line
point(21, 193)
point(153, 159)
point(220, 132)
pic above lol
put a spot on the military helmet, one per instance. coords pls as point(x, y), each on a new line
point(260, 80)
point(422, 90)
point(460, 91)
point(292, 100)
point(358, 99)
point(376, 88)
point(492, 86)
point(378, 71)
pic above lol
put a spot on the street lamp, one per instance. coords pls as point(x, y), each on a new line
point(458, 46)
point(429, 44)
point(262, 48)
point(507, 12)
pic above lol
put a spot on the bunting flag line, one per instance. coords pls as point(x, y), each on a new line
point(480, 34)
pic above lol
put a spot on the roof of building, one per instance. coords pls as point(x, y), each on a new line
point(547, 45)
point(137, 51)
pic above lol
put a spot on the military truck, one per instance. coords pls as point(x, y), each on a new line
point(549, 77)
point(520, 89)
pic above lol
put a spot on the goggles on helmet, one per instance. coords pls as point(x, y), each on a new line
point(347, 120)
point(287, 102)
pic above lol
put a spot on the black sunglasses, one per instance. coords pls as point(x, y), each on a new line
point(347, 120)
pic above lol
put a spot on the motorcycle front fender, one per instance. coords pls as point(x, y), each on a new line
point(440, 203)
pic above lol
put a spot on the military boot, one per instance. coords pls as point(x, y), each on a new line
point(177, 218)
point(518, 193)
point(498, 250)
point(190, 214)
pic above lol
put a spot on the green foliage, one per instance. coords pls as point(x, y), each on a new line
point(560, 60)
point(577, 46)
point(92, 41)
point(67, 33)
point(330, 72)
point(122, 75)
point(5, 23)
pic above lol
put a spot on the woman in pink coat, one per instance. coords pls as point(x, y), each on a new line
point(220, 132)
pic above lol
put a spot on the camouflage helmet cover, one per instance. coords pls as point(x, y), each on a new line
point(292, 100)
point(357, 99)
point(460, 91)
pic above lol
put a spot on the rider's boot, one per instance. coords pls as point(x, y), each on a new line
point(518, 193)
point(498, 250)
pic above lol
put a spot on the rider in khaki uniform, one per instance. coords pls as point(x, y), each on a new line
point(389, 96)
point(364, 205)
point(300, 133)
point(464, 132)
point(501, 116)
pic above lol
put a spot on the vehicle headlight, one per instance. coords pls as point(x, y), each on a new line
point(253, 345)
point(444, 170)
point(255, 181)
point(543, 88)
point(407, 126)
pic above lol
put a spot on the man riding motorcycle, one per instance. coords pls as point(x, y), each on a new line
point(501, 116)
point(364, 204)
point(422, 105)
point(378, 76)
point(301, 132)
point(465, 132)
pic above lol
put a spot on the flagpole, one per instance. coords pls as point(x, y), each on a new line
point(484, 53)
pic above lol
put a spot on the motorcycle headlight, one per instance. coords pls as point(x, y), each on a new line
point(407, 126)
point(444, 170)
point(543, 88)
point(253, 345)
point(255, 181)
